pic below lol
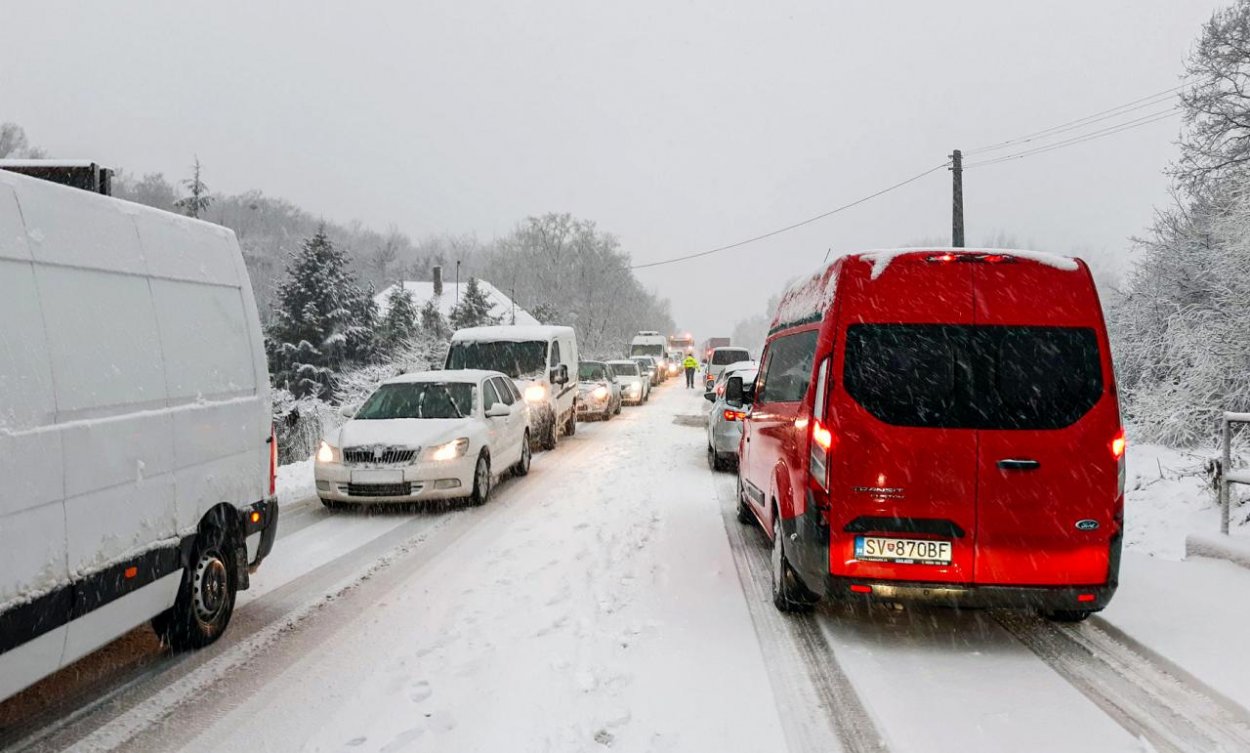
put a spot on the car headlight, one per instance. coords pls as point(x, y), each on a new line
point(599, 393)
point(327, 453)
point(456, 448)
point(535, 393)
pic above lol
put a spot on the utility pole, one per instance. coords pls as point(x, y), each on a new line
point(457, 282)
point(957, 199)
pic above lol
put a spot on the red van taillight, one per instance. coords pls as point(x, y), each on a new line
point(823, 440)
point(273, 461)
point(1118, 443)
point(971, 257)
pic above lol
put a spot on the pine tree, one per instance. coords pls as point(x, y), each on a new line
point(199, 200)
point(473, 309)
point(400, 323)
point(322, 320)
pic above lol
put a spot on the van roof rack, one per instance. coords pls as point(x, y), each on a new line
point(76, 173)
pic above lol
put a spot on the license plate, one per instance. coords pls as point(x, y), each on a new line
point(906, 551)
point(378, 477)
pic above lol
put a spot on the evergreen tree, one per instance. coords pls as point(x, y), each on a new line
point(473, 309)
point(433, 323)
point(322, 320)
point(400, 323)
point(199, 200)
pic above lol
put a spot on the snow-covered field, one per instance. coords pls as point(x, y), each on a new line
point(610, 601)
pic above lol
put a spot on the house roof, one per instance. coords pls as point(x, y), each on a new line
point(423, 290)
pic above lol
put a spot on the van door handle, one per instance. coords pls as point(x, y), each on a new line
point(1018, 464)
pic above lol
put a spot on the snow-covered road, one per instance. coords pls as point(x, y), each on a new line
point(607, 600)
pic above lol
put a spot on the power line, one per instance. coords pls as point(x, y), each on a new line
point(1137, 104)
point(1144, 120)
point(788, 228)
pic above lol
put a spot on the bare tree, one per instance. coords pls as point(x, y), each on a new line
point(199, 200)
point(13, 143)
point(1216, 102)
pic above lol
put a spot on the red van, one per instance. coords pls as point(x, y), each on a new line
point(940, 426)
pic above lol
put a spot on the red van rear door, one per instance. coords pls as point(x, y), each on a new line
point(899, 472)
point(1047, 494)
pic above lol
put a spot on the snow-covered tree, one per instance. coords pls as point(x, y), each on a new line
point(474, 308)
point(13, 143)
point(322, 320)
point(400, 323)
point(200, 199)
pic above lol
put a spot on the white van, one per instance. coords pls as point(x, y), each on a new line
point(542, 361)
point(135, 435)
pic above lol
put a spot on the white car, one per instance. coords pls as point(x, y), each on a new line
point(423, 436)
point(635, 388)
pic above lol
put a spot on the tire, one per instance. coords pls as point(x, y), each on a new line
point(745, 516)
point(481, 481)
point(789, 594)
point(206, 597)
point(617, 412)
point(714, 460)
point(522, 467)
point(548, 440)
point(570, 425)
point(1068, 615)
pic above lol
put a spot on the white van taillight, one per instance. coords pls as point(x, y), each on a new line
point(273, 461)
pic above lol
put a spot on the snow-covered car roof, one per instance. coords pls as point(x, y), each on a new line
point(448, 375)
point(509, 333)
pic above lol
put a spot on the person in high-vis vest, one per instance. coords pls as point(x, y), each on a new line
point(690, 365)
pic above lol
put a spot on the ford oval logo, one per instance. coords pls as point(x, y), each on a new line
point(1087, 525)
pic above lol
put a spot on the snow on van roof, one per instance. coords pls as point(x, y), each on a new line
point(448, 375)
point(881, 258)
point(510, 333)
point(809, 297)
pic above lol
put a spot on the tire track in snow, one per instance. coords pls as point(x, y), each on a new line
point(1171, 713)
point(795, 649)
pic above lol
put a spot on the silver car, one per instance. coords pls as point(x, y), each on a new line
point(724, 421)
point(600, 392)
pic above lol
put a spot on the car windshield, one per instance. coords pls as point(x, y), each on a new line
point(726, 356)
point(644, 363)
point(419, 400)
point(638, 349)
point(625, 368)
point(519, 360)
point(592, 371)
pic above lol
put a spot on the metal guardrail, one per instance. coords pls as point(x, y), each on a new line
point(1227, 476)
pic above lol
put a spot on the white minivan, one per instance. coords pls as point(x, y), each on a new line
point(541, 360)
point(135, 432)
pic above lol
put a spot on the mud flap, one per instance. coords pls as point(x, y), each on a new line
point(807, 545)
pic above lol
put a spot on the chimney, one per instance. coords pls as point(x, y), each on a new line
point(438, 280)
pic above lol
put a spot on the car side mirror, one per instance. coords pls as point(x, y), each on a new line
point(710, 396)
point(748, 393)
point(560, 374)
point(498, 410)
point(348, 411)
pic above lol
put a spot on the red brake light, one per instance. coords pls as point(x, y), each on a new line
point(942, 257)
point(734, 415)
point(1085, 598)
point(1118, 443)
point(858, 588)
point(821, 436)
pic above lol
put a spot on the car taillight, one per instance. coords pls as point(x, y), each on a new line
point(822, 446)
point(734, 415)
point(941, 257)
point(273, 461)
point(1118, 443)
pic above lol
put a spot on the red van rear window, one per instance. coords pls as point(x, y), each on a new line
point(974, 377)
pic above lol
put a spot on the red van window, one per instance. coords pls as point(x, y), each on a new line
point(788, 370)
point(973, 377)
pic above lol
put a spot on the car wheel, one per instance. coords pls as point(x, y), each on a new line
point(1068, 615)
point(745, 516)
point(548, 440)
point(789, 595)
point(481, 481)
point(522, 467)
point(713, 459)
point(205, 599)
point(618, 407)
point(570, 426)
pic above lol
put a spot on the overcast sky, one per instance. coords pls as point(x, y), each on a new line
point(676, 125)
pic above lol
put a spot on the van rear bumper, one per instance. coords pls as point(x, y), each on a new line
point(1042, 598)
point(265, 524)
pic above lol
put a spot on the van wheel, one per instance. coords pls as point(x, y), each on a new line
point(206, 598)
point(789, 595)
point(522, 467)
point(548, 439)
point(481, 481)
point(1068, 615)
point(570, 426)
point(745, 516)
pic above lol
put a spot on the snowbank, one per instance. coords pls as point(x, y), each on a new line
point(295, 482)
